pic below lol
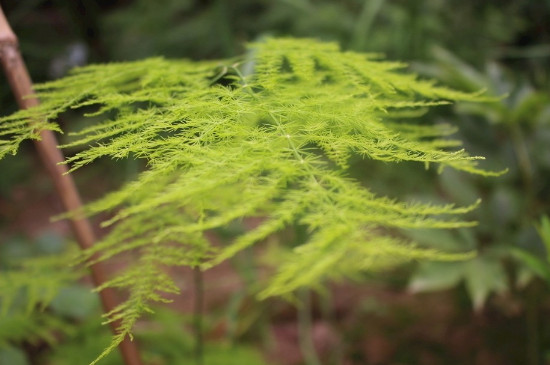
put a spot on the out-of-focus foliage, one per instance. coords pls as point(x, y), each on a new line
point(163, 338)
point(33, 278)
point(512, 30)
point(65, 316)
point(401, 29)
point(539, 264)
point(516, 133)
point(32, 275)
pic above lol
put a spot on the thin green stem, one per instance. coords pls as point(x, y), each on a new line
point(198, 315)
point(522, 154)
point(327, 311)
point(371, 8)
point(532, 325)
point(305, 329)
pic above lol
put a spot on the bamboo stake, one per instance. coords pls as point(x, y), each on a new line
point(50, 155)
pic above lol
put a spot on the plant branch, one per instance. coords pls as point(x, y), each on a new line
point(51, 157)
point(307, 346)
point(197, 316)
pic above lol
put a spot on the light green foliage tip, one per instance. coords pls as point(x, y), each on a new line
point(269, 135)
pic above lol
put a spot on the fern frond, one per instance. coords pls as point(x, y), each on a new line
point(20, 327)
point(26, 289)
point(309, 265)
point(15, 130)
point(36, 281)
point(223, 145)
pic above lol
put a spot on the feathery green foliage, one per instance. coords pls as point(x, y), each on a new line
point(26, 289)
point(15, 130)
point(269, 135)
point(35, 282)
point(20, 327)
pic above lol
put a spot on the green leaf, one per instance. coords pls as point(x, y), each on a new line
point(444, 240)
point(540, 267)
point(232, 355)
point(484, 276)
point(458, 187)
point(12, 356)
point(75, 301)
point(432, 276)
point(544, 232)
point(50, 243)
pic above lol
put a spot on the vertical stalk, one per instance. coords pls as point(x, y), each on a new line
point(197, 316)
point(532, 319)
point(522, 154)
point(305, 330)
point(526, 171)
point(51, 157)
point(224, 29)
point(327, 310)
point(363, 25)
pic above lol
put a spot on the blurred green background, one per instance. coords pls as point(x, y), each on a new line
point(490, 310)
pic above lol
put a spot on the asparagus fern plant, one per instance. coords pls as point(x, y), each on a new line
point(269, 135)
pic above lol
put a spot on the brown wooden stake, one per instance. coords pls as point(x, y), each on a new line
point(51, 156)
